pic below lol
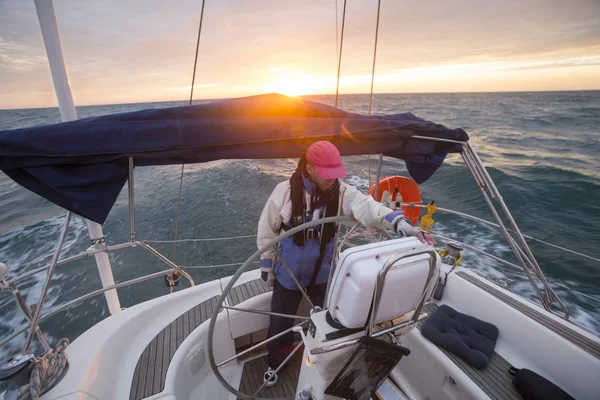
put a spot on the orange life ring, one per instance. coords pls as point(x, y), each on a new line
point(407, 188)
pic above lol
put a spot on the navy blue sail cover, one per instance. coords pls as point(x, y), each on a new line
point(82, 165)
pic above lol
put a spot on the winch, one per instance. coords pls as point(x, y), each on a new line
point(17, 369)
point(451, 255)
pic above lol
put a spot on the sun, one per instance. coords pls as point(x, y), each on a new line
point(292, 84)
point(289, 87)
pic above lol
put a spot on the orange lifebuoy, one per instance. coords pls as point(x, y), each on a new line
point(407, 188)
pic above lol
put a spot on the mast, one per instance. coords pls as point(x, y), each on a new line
point(49, 27)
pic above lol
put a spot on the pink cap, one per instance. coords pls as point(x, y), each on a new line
point(326, 157)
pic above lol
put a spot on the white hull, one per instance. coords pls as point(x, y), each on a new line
point(102, 361)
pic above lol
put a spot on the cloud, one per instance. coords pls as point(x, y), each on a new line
point(18, 57)
point(585, 61)
point(146, 49)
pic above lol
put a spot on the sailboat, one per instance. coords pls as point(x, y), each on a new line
point(393, 305)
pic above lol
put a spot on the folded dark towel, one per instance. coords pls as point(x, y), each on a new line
point(469, 338)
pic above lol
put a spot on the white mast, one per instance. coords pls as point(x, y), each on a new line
point(49, 27)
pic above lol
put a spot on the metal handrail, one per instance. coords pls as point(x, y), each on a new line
point(475, 166)
point(170, 263)
point(379, 282)
point(86, 297)
point(490, 223)
point(351, 342)
point(107, 249)
point(91, 251)
point(157, 274)
point(522, 251)
point(34, 325)
point(24, 307)
point(87, 253)
point(38, 309)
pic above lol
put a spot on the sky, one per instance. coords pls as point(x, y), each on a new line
point(143, 51)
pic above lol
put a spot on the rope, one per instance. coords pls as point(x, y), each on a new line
point(374, 55)
point(215, 266)
point(197, 48)
point(337, 44)
point(373, 75)
point(369, 158)
point(177, 213)
point(47, 372)
point(183, 165)
point(337, 87)
point(562, 248)
point(578, 291)
point(201, 240)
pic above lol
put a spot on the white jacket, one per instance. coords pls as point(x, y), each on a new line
point(278, 209)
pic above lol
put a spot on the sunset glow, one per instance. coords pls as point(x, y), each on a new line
point(145, 52)
point(294, 84)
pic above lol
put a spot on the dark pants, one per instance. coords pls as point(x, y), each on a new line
point(286, 301)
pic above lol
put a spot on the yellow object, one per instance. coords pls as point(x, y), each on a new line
point(427, 220)
point(444, 253)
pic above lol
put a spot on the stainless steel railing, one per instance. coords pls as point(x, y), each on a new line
point(527, 261)
point(92, 251)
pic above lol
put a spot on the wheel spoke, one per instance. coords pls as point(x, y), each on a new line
point(296, 281)
point(256, 346)
point(252, 310)
point(281, 366)
point(226, 290)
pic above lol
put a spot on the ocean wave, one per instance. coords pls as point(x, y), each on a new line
point(26, 249)
point(540, 149)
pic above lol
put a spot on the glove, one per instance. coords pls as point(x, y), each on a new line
point(268, 276)
point(266, 271)
point(399, 224)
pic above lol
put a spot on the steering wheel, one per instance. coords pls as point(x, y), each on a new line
point(245, 267)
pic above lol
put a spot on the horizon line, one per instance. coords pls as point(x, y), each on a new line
point(308, 95)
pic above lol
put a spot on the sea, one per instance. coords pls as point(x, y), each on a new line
point(542, 149)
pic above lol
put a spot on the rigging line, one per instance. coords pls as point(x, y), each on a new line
point(578, 291)
point(488, 223)
point(216, 265)
point(369, 158)
point(374, 55)
point(202, 240)
point(337, 86)
point(337, 40)
point(373, 74)
point(183, 165)
point(562, 248)
point(197, 48)
point(177, 213)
